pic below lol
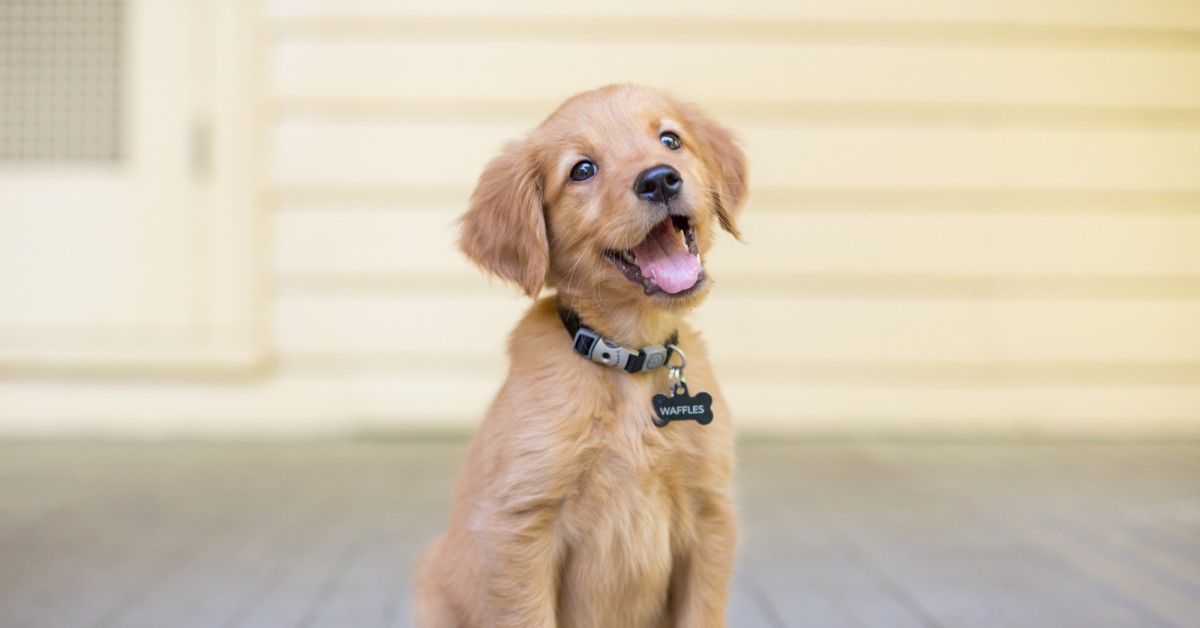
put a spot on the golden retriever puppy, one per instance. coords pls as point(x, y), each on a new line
point(582, 503)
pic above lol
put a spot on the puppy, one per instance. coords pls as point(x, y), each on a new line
point(575, 508)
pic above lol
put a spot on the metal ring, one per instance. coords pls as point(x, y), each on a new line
point(682, 358)
point(674, 376)
point(674, 380)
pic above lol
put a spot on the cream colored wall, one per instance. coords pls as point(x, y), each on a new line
point(967, 216)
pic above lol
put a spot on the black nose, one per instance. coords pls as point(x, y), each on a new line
point(658, 184)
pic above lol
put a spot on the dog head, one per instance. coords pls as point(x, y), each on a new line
point(616, 195)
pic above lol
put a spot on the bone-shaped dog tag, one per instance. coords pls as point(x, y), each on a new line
point(679, 406)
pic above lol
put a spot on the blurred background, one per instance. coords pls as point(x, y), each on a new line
point(224, 218)
point(961, 338)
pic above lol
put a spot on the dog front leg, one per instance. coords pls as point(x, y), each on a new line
point(525, 568)
point(700, 587)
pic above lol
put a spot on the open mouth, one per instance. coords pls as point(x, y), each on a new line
point(668, 260)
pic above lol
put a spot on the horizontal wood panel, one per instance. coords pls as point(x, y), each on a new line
point(1024, 411)
point(319, 152)
point(299, 404)
point(967, 242)
point(862, 329)
point(487, 72)
point(967, 330)
point(429, 324)
point(414, 238)
point(1121, 13)
point(286, 405)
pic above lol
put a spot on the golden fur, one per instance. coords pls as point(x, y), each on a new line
point(573, 509)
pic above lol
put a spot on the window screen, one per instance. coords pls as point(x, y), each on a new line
point(60, 80)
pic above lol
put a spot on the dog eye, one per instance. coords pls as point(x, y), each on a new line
point(583, 171)
point(671, 141)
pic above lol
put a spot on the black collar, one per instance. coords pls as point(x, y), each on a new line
point(596, 348)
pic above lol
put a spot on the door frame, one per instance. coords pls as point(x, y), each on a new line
point(191, 280)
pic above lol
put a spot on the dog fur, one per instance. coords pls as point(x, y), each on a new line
point(573, 509)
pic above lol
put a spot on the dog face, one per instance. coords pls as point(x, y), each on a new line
point(616, 195)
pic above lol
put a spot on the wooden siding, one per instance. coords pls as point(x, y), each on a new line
point(964, 214)
point(966, 217)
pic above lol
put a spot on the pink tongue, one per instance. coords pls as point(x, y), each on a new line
point(665, 260)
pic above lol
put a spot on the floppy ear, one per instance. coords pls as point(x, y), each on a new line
point(504, 230)
point(726, 163)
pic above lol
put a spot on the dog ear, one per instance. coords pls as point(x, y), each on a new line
point(726, 163)
point(504, 230)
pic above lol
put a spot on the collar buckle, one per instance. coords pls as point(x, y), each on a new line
point(609, 353)
point(601, 350)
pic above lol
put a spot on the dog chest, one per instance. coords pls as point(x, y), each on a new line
point(622, 529)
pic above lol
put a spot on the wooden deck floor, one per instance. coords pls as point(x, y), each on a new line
point(170, 536)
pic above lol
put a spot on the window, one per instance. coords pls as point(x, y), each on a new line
point(61, 67)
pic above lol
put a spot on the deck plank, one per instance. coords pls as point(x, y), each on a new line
point(846, 534)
